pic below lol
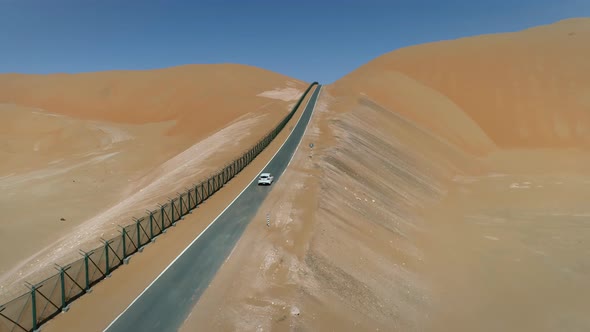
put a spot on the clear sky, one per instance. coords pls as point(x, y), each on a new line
point(309, 40)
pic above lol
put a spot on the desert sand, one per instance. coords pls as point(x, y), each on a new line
point(84, 153)
point(447, 191)
point(96, 310)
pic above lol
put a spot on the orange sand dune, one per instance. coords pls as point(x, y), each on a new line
point(82, 154)
point(186, 94)
point(523, 89)
point(447, 191)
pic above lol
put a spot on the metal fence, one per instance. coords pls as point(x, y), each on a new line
point(49, 297)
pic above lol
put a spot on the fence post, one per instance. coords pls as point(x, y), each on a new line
point(123, 240)
point(172, 221)
point(106, 256)
point(138, 229)
point(188, 193)
point(162, 217)
point(151, 226)
point(62, 281)
point(34, 306)
point(180, 199)
point(86, 272)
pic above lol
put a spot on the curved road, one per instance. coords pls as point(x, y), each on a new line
point(165, 304)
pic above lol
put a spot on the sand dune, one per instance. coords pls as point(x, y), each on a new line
point(524, 89)
point(446, 191)
point(84, 153)
point(184, 94)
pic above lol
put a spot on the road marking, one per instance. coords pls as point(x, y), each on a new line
point(310, 117)
point(214, 220)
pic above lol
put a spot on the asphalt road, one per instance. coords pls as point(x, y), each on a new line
point(165, 305)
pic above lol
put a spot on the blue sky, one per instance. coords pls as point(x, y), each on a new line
point(309, 40)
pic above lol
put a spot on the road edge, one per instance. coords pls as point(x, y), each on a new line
point(227, 207)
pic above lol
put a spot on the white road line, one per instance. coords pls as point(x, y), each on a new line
point(310, 117)
point(214, 220)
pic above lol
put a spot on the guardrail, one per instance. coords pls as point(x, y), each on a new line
point(49, 297)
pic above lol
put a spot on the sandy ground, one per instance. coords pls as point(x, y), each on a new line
point(88, 160)
point(94, 311)
point(509, 252)
point(433, 200)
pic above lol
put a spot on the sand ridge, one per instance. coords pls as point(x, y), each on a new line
point(526, 89)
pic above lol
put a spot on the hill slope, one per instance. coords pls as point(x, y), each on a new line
point(524, 89)
point(89, 151)
point(447, 191)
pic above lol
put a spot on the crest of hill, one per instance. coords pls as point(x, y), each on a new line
point(211, 95)
point(523, 89)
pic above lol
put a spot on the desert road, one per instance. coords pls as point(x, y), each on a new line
point(166, 303)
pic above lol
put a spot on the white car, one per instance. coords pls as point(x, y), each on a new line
point(265, 179)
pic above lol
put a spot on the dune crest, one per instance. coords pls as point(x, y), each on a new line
point(446, 191)
point(523, 89)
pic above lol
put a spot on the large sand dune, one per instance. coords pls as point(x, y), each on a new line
point(525, 89)
point(81, 154)
point(447, 191)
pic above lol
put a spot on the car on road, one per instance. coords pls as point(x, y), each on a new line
point(265, 179)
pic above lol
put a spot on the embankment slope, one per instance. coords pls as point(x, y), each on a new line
point(446, 190)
